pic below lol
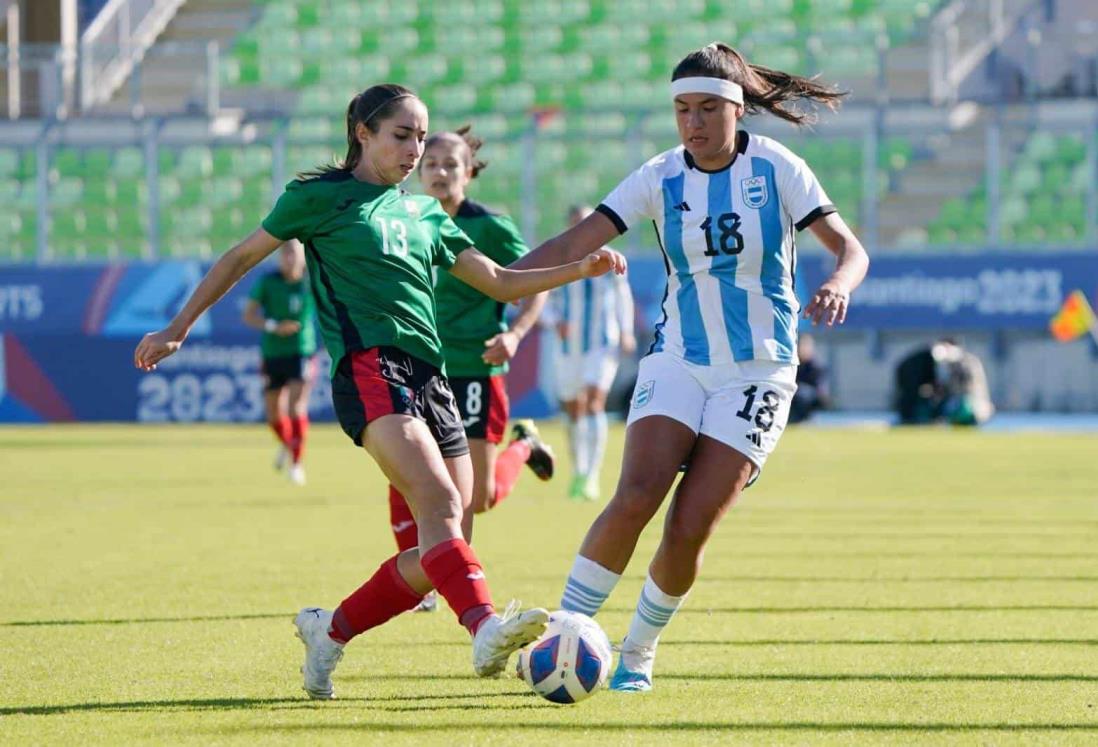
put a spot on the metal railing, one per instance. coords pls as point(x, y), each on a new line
point(962, 34)
point(115, 41)
point(874, 195)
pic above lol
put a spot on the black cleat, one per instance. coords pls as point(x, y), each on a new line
point(541, 456)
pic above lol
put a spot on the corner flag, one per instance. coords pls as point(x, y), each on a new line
point(1074, 319)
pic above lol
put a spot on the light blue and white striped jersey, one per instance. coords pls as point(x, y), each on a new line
point(728, 244)
point(597, 310)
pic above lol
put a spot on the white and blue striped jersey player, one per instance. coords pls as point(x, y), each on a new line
point(725, 352)
point(594, 315)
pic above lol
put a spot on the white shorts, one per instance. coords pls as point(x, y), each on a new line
point(744, 405)
point(579, 371)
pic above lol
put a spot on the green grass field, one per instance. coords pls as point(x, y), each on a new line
point(898, 587)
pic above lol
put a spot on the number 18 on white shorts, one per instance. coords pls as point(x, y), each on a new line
point(744, 405)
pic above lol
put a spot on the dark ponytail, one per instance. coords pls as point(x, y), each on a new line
point(370, 107)
point(763, 88)
point(463, 134)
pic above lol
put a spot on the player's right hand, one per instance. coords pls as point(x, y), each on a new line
point(287, 327)
point(153, 348)
point(602, 261)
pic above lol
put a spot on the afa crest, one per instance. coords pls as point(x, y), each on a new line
point(643, 394)
point(756, 192)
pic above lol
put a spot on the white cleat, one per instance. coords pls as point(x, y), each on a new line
point(634, 672)
point(282, 458)
point(297, 475)
point(499, 637)
point(429, 603)
point(321, 652)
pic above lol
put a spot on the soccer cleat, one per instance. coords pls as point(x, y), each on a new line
point(577, 488)
point(590, 491)
point(429, 603)
point(282, 458)
point(296, 474)
point(541, 458)
point(634, 672)
point(321, 652)
point(499, 637)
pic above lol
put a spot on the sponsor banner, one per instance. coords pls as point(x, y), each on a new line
point(67, 333)
point(983, 291)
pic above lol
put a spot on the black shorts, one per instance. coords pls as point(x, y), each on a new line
point(282, 370)
point(384, 380)
point(484, 406)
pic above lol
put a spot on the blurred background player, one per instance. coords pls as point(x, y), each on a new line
point(594, 322)
point(281, 305)
point(477, 342)
point(812, 382)
point(371, 249)
point(715, 388)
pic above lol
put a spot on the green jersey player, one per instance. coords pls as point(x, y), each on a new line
point(371, 250)
point(281, 305)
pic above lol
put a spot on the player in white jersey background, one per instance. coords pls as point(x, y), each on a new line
point(714, 390)
point(594, 324)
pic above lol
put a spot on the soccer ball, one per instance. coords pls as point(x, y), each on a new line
point(570, 661)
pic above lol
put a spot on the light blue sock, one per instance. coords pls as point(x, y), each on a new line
point(588, 586)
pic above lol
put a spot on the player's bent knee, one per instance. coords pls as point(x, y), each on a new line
point(687, 533)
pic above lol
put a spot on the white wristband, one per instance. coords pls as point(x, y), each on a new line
point(270, 325)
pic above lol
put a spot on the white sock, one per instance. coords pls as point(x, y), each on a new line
point(597, 430)
point(587, 587)
point(577, 442)
point(654, 611)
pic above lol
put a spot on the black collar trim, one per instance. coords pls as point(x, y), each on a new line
point(741, 147)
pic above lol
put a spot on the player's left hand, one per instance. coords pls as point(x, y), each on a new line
point(628, 344)
point(829, 303)
point(155, 347)
point(602, 261)
point(500, 348)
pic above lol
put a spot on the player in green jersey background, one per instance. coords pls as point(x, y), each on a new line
point(371, 249)
point(281, 305)
point(476, 339)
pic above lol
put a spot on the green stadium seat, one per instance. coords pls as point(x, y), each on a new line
point(127, 163)
point(553, 12)
point(452, 97)
point(311, 128)
point(168, 190)
point(66, 190)
point(67, 162)
point(9, 163)
point(195, 161)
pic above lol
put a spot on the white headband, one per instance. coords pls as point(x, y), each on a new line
point(726, 89)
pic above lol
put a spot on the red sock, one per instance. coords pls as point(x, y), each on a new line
point(401, 520)
point(377, 601)
point(299, 426)
point(281, 428)
point(508, 466)
point(453, 568)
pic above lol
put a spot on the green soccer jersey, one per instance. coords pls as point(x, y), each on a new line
point(282, 300)
point(370, 250)
point(467, 317)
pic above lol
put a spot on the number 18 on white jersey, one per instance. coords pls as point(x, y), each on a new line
point(727, 238)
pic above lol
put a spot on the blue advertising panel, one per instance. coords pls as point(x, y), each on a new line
point(983, 291)
point(67, 333)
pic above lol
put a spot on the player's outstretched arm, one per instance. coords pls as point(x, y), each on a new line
point(501, 348)
point(507, 284)
point(831, 300)
point(589, 235)
point(225, 273)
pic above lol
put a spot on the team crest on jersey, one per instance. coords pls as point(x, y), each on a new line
point(644, 394)
point(756, 192)
point(412, 207)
